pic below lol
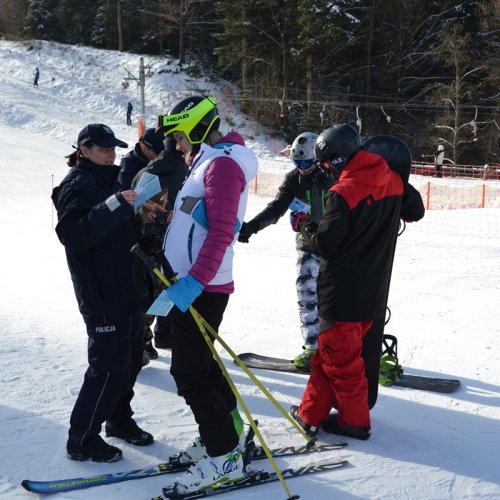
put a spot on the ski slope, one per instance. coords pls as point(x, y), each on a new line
point(444, 300)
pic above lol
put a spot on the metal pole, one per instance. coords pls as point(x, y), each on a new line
point(142, 84)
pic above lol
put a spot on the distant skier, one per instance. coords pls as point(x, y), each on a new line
point(37, 76)
point(129, 113)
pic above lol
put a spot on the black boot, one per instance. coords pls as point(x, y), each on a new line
point(95, 449)
point(310, 430)
point(130, 432)
point(332, 426)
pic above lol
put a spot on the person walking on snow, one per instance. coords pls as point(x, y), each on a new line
point(309, 184)
point(356, 240)
point(198, 245)
point(129, 113)
point(36, 74)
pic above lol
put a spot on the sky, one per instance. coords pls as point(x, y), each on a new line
point(444, 299)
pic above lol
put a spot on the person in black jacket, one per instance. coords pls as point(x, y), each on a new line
point(171, 170)
point(96, 227)
point(356, 240)
point(309, 184)
point(129, 113)
point(149, 146)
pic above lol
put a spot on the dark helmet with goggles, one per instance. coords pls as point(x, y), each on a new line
point(337, 144)
point(196, 116)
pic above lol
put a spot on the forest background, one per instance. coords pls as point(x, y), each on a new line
point(427, 71)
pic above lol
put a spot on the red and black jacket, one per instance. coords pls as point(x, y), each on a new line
point(356, 238)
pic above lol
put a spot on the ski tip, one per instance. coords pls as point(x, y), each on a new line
point(25, 483)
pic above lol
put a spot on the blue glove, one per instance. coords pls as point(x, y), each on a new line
point(184, 292)
point(296, 220)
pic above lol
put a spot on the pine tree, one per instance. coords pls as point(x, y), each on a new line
point(41, 21)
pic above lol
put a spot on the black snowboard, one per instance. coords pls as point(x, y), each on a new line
point(397, 154)
point(433, 384)
point(393, 150)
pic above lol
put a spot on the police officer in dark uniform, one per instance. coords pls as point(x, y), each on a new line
point(95, 225)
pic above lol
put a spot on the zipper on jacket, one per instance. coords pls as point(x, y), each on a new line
point(190, 244)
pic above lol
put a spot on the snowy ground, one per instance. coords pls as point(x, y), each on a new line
point(444, 299)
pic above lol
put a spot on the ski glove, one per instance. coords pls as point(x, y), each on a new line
point(296, 220)
point(246, 231)
point(184, 292)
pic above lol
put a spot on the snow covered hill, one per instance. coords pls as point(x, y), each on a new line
point(444, 299)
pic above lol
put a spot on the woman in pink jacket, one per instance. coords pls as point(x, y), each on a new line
point(208, 213)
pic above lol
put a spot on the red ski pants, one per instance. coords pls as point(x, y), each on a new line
point(338, 377)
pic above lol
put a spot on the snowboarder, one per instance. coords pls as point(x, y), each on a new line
point(95, 225)
point(356, 240)
point(199, 247)
point(309, 184)
point(129, 113)
point(36, 74)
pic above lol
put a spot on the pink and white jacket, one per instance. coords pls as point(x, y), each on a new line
point(209, 211)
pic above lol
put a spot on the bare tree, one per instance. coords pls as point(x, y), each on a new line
point(12, 15)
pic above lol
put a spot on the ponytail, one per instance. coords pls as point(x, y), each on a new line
point(72, 158)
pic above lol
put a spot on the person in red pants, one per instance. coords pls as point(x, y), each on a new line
point(356, 240)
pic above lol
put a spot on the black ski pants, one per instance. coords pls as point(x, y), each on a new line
point(115, 346)
point(199, 378)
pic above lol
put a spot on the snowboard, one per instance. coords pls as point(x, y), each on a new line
point(394, 151)
point(398, 156)
point(433, 384)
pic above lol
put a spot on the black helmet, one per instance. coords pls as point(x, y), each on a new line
point(337, 144)
point(196, 116)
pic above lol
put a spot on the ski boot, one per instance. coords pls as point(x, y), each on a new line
point(210, 472)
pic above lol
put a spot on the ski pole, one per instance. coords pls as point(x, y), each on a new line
point(258, 383)
point(150, 263)
point(202, 327)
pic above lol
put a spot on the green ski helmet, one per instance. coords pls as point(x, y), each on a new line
point(196, 116)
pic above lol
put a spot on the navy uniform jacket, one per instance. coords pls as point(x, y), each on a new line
point(171, 171)
point(131, 163)
point(97, 230)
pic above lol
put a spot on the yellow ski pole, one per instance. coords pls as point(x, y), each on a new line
point(236, 359)
point(202, 327)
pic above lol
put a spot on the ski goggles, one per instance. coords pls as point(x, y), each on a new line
point(333, 163)
point(304, 164)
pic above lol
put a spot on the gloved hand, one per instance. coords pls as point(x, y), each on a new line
point(296, 220)
point(246, 231)
point(184, 292)
point(308, 230)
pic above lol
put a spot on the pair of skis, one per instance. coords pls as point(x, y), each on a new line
point(252, 479)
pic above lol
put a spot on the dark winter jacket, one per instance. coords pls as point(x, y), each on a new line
point(95, 225)
point(171, 171)
point(310, 188)
point(356, 238)
point(131, 163)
